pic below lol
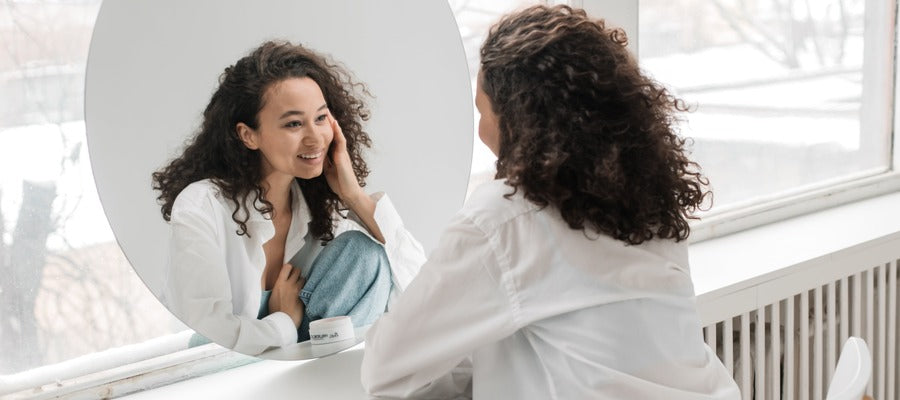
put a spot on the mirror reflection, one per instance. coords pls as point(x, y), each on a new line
point(270, 225)
point(255, 173)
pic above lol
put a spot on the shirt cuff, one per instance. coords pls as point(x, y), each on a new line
point(386, 216)
point(284, 325)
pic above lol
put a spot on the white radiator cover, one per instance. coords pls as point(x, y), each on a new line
point(781, 337)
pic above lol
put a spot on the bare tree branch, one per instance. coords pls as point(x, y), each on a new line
point(744, 29)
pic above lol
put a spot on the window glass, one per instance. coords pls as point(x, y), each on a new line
point(787, 95)
point(67, 290)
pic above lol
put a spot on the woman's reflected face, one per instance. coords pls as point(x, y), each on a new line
point(294, 134)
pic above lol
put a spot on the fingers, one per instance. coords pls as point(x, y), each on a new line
point(338, 132)
point(285, 272)
point(289, 273)
point(295, 275)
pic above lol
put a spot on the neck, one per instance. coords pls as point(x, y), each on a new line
point(278, 192)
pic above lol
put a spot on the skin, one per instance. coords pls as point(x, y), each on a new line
point(488, 123)
point(298, 138)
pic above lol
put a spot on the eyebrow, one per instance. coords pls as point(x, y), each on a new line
point(297, 112)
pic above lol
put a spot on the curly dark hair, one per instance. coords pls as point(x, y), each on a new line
point(217, 153)
point(582, 129)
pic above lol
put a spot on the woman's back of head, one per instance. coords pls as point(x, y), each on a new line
point(583, 130)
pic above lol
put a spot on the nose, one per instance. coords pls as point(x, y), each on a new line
point(312, 138)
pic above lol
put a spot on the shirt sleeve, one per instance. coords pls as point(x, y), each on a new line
point(199, 289)
point(457, 303)
point(403, 250)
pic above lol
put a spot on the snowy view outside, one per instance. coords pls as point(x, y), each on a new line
point(67, 289)
point(777, 89)
point(777, 93)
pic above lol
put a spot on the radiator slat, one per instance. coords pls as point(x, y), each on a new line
point(760, 347)
point(892, 332)
point(857, 305)
point(831, 332)
point(790, 378)
point(870, 317)
point(775, 358)
point(844, 315)
point(803, 321)
point(728, 344)
point(818, 335)
point(745, 356)
point(881, 331)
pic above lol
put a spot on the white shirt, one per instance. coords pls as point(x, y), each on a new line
point(214, 276)
point(543, 312)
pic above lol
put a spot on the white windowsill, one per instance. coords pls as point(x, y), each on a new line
point(802, 247)
point(336, 377)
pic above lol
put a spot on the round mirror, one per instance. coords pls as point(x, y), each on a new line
point(154, 64)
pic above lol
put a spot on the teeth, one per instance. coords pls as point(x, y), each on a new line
point(310, 156)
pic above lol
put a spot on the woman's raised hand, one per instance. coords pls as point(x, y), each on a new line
point(339, 168)
point(286, 294)
point(342, 180)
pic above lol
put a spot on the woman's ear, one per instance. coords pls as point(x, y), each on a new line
point(247, 135)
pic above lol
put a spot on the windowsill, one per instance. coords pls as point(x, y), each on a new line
point(726, 272)
point(336, 377)
point(732, 265)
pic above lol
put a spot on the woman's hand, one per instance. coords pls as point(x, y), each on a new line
point(339, 168)
point(286, 294)
point(342, 180)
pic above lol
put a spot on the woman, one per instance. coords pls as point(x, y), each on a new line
point(259, 247)
point(566, 277)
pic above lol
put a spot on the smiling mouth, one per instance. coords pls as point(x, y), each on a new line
point(310, 156)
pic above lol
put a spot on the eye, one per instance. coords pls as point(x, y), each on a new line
point(293, 124)
point(322, 118)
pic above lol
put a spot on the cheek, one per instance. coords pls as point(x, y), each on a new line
point(481, 129)
point(486, 130)
point(324, 134)
point(327, 136)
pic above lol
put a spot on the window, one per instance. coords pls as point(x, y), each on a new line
point(787, 96)
point(67, 290)
point(793, 102)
